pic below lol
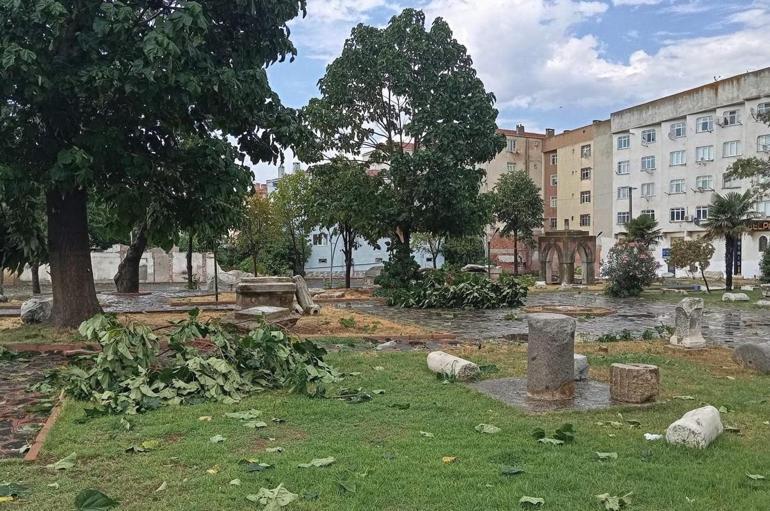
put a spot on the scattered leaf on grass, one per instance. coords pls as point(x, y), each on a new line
point(732, 429)
point(400, 406)
point(379, 368)
point(725, 409)
point(614, 503)
point(217, 439)
point(310, 495)
point(755, 477)
point(346, 486)
point(449, 459)
point(273, 499)
point(378, 391)
point(531, 501)
point(5, 499)
point(274, 449)
point(550, 441)
point(426, 434)
point(213, 470)
point(126, 425)
point(507, 470)
point(64, 463)
point(278, 420)
point(244, 415)
point(487, 428)
point(685, 398)
point(607, 455)
point(205, 418)
point(94, 500)
point(257, 467)
point(566, 433)
point(12, 490)
point(162, 487)
point(235, 482)
point(55, 486)
point(318, 462)
point(254, 424)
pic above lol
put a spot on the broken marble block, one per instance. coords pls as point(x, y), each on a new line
point(634, 383)
point(581, 367)
point(754, 355)
point(697, 428)
point(688, 322)
point(735, 297)
point(451, 366)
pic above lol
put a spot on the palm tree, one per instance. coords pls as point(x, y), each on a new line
point(643, 230)
point(729, 217)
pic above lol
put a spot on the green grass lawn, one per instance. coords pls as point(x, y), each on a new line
point(380, 452)
point(714, 298)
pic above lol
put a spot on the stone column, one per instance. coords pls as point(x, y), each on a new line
point(634, 383)
point(550, 357)
point(688, 321)
point(568, 273)
point(589, 276)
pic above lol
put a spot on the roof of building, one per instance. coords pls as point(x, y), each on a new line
point(515, 133)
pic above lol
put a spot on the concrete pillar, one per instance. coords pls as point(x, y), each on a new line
point(550, 357)
point(589, 277)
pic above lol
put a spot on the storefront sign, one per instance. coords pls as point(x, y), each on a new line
point(760, 225)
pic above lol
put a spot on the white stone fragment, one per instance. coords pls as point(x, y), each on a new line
point(747, 288)
point(386, 345)
point(451, 366)
point(652, 437)
point(735, 297)
point(540, 284)
point(697, 428)
point(581, 367)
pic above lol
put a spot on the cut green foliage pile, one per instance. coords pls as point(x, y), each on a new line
point(460, 290)
point(129, 376)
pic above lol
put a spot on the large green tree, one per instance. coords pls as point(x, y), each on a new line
point(643, 229)
point(694, 255)
point(518, 207)
point(292, 202)
point(92, 92)
point(344, 196)
point(408, 98)
point(258, 228)
point(729, 217)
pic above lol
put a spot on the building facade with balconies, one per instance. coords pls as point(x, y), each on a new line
point(670, 156)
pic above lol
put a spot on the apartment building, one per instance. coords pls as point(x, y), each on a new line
point(523, 151)
point(670, 156)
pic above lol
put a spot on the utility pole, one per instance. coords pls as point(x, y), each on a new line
point(631, 202)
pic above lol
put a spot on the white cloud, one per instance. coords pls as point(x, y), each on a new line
point(636, 2)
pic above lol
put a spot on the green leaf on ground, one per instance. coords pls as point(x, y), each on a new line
point(149, 445)
point(126, 425)
point(685, 398)
point(531, 501)
point(614, 503)
point(278, 420)
point(235, 482)
point(400, 406)
point(550, 441)
point(507, 470)
point(12, 490)
point(318, 462)
point(538, 433)
point(346, 486)
point(273, 499)
point(426, 434)
point(64, 463)
point(607, 455)
point(755, 477)
point(566, 433)
point(217, 439)
point(255, 424)
point(257, 467)
point(162, 487)
point(274, 449)
point(487, 428)
point(244, 415)
point(378, 391)
point(310, 495)
point(94, 500)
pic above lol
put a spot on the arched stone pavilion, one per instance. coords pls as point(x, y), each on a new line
point(565, 246)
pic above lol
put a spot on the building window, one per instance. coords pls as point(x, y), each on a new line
point(511, 145)
point(623, 217)
point(762, 243)
point(554, 202)
point(676, 186)
point(585, 197)
point(585, 220)
point(648, 136)
point(732, 148)
point(624, 142)
point(554, 159)
point(624, 167)
point(585, 174)
point(677, 215)
point(763, 143)
point(763, 208)
point(624, 192)
point(554, 179)
point(678, 158)
point(648, 189)
point(730, 182)
point(704, 124)
point(323, 260)
point(704, 153)
point(320, 240)
point(679, 129)
point(704, 182)
point(648, 212)
point(648, 163)
point(763, 109)
point(554, 223)
point(585, 151)
point(731, 118)
point(702, 212)
point(511, 166)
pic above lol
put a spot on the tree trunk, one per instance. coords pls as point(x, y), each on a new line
point(254, 263)
point(347, 244)
point(34, 269)
point(72, 278)
point(189, 262)
point(702, 274)
point(2, 278)
point(127, 277)
point(515, 253)
point(729, 246)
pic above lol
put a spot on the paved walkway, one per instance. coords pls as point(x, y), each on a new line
point(22, 413)
point(722, 325)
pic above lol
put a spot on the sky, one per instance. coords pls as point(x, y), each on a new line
point(553, 63)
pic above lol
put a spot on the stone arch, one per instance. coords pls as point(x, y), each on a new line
point(567, 244)
point(587, 260)
point(546, 260)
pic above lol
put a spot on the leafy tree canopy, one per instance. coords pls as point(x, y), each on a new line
point(643, 229)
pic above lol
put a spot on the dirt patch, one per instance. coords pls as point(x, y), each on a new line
point(335, 322)
point(9, 323)
point(208, 299)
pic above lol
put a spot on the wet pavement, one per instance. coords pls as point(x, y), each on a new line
point(721, 325)
point(589, 395)
point(22, 411)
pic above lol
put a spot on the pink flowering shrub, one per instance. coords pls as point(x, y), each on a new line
point(629, 267)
